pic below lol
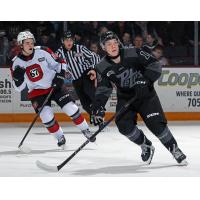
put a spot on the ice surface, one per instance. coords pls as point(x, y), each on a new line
point(111, 155)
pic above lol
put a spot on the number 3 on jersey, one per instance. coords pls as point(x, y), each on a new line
point(34, 72)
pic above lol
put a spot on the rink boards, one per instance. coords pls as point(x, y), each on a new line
point(178, 89)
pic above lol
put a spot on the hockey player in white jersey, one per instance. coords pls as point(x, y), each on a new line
point(39, 70)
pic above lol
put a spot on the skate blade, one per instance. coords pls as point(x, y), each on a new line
point(25, 149)
point(183, 163)
point(63, 147)
point(148, 162)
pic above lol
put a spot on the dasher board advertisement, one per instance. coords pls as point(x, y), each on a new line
point(178, 90)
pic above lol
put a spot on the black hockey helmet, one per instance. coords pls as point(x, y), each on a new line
point(67, 34)
point(108, 36)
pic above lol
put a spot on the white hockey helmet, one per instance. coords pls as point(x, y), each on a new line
point(25, 35)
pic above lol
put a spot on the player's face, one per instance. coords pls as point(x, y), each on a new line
point(68, 43)
point(27, 47)
point(112, 47)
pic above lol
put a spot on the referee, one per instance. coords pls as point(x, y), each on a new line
point(81, 62)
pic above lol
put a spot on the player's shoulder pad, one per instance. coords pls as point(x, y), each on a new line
point(130, 52)
point(48, 50)
point(102, 65)
point(44, 48)
point(13, 60)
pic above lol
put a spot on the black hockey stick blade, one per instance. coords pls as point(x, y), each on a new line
point(58, 167)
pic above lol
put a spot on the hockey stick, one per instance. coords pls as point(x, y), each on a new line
point(58, 167)
point(24, 148)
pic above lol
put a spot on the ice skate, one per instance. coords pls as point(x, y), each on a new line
point(88, 134)
point(179, 156)
point(147, 153)
point(61, 142)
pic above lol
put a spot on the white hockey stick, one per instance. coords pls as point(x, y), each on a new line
point(25, 149)
point(46, 167)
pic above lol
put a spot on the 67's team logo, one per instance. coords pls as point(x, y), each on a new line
point(34, 72)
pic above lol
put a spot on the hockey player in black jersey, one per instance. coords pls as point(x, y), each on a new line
point(133, 71)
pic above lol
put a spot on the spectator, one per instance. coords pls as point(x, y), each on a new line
point(102, 29)
point(48, 41)
point(13, 27)
point(44, 27)
point(94, 47)
point(57, 29)
point(138, 41)
point(112, 25)
point(3, 47)
point(94, 28)
point(126, 40)
point(14, 49)
point(173, 33)
point(122, 27)
point(151, 42)
point(189, 33)
point(140, 28)
point(158, 53)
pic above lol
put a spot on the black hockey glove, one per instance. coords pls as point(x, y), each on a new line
point(97, 115)
point(18, 75)
point(141, 87)
point(58, 80)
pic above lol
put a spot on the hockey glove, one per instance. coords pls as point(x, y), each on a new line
point(58, 80)
point(141, 87)
point(97, 116)
point(18, 75)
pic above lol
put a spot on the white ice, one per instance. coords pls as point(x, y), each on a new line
point(111, 155)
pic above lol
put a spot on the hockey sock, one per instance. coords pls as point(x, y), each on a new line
point(58, 134)
point(54, 128)
point(79, 121)
point(137, 136)
point(72, 110)
point(167, 139)
point(50, 123)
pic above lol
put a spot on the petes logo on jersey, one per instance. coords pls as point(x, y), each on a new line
point(121, 68)
point(128, 78)
point(109, 73)
point(41, 59)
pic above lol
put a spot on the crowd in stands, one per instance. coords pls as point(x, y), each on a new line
point(171, 42)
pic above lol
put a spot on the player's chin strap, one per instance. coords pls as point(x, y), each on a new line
point(113, 57)
point(58, 167)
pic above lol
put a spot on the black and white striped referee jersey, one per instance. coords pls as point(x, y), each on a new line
point(79, 59)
